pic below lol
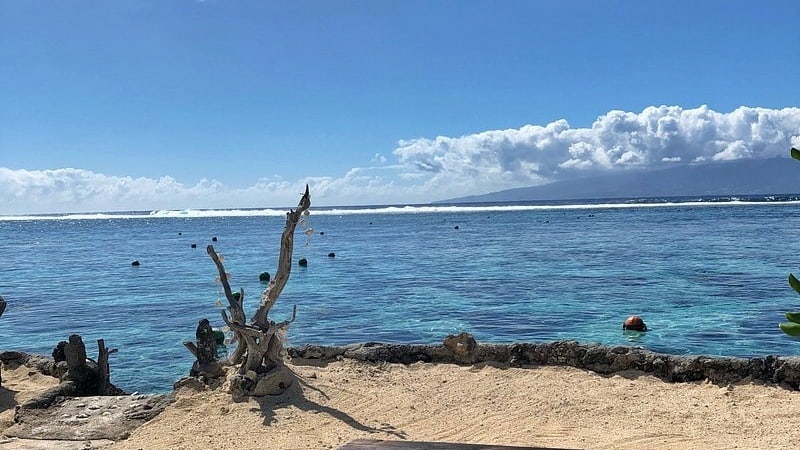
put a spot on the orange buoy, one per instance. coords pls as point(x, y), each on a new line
point(634, 323)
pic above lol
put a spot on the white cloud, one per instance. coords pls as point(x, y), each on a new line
point(618, 140)
point(443, 167)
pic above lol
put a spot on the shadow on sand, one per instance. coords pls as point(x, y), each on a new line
point(295, 396)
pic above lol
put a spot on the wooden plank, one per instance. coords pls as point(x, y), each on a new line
point(361, 444)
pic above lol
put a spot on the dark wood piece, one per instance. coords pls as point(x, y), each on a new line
point(207, 363)
point(77, 369)
point(103, 370)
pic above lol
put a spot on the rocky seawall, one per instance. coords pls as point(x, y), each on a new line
point(462, 349)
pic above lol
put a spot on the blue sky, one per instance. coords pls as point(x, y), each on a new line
point(119, 105)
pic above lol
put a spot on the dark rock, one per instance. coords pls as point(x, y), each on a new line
point(784, 371)
point(331, 255)
point(264, 277)
point(302, 262)
point(58, 352)
point(462, 346)
point(194, 245)
point(110, 417)
point(316, 352)
point(38, 362)
point(192, 383)
point(135, 263)
point(214, 239)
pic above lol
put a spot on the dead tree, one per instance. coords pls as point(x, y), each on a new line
point(79, 375)
point(259, 343)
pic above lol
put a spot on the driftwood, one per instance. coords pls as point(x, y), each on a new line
point(259, 343)
point(80, 376)
point(207, 364)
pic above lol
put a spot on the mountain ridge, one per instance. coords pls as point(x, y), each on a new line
point(727, 178)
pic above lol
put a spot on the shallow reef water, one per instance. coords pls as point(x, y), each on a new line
point(707, 277)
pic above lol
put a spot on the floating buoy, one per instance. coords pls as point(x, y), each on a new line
point(322, 233)
point(135, 263)
point(194, 245)
point(634, 323)
point(264, 277)
point(180, 234)
point(303, 262)
point(219, 336)
point(455, 227)
point(214, 239)
point(331, 255)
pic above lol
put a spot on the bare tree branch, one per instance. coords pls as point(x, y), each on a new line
point(234, 305)
point(270, 295)
point(260, 342)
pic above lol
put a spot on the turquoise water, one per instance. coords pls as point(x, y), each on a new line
point(707, 278)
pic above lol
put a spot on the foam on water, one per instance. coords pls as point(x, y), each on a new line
point(425, 209)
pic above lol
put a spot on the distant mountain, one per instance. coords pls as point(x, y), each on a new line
point(752, 176)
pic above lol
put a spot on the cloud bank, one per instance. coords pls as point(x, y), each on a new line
point(656, 137)
point(426, 170)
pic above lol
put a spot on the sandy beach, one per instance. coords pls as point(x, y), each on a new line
point(335, 403)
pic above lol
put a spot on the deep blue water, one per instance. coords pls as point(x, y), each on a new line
point(707, 278)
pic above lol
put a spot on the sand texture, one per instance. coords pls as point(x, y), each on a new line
point(333, 404)
point(543, 406)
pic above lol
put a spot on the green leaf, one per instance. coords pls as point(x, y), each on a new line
point(795, 153)
point(790, 328)
point(793, 317)
point(794, 283)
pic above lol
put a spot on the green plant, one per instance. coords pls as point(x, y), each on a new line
point(792, 327)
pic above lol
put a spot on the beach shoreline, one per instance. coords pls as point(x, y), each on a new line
point(339, 399)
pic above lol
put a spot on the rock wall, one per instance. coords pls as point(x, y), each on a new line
point(784, 371)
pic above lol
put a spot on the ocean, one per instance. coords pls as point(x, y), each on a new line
point(708, 276)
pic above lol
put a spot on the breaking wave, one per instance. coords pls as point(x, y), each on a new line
point(431, 208)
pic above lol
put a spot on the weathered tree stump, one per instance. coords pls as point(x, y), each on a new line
point(259, 343)
point(80, 378)
point(207, 366)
